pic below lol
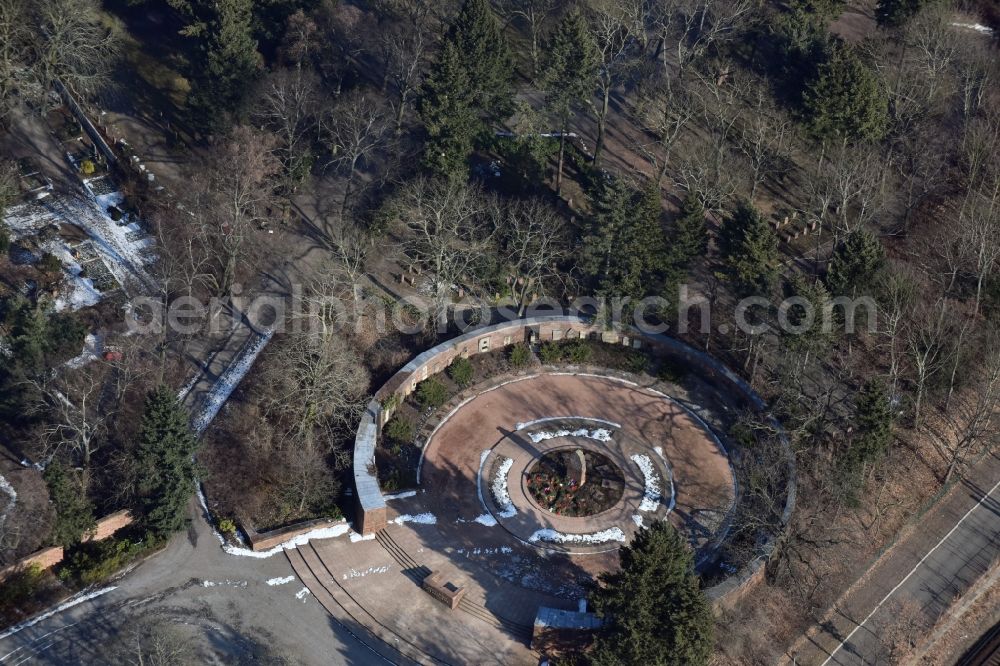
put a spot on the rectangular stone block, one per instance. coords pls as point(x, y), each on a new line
point(444, 591)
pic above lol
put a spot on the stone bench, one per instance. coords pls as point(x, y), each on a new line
point(444, 591)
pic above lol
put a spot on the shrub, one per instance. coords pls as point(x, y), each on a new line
point(671, 372)
point(87, 167)
point(461, 371)
point(49, 263)
point(227, 526)
point(4, 241)
point(398, 429)
point(636, 361)
point(115, 213)
point(577, 352)
point(21, 585)
point(432, 393)
point(519, 356)
point(96, 561)
point(550, 353)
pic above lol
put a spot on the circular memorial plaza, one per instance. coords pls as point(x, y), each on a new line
point(577, 463)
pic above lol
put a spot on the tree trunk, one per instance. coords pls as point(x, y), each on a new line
point(562, 154)
point(602, 119)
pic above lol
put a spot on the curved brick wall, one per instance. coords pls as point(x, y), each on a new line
point(371, 509)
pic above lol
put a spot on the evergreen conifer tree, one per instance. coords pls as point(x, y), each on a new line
point(690, 239)
point(750, 249)
point(468, 89)
point(569, 74)
point(74, 510)
point(844, 99)
point(653, 610)
point(165, 460)
point(855, 264)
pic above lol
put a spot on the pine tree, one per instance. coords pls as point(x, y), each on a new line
point(448, 116)
point(855, 264)
point(690, 239)
point(872, 437)
point(653, 610)
point(230, 58)
point(74, 510)
point(165, 460)
point(750, 249)
point(811, 334)
point(624, 252)
point(478, 37)
point(467, 90)
point(845, 99)
point(569, 75)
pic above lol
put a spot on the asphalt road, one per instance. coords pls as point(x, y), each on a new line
point(954, 544)
point(219, 605)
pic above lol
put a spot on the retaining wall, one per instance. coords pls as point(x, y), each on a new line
point(371, 508)
point(49, 557)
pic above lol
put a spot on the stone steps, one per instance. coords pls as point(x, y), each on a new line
point(417, 572)
point(352, 616)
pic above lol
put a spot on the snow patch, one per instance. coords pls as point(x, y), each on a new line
point(12, 494)
point(58, 609)
point(552, 536)
point(651, 495)
point(499, 488)
point(91, 352)
point(228, 382)
point(354, 573)
point(499, 550)
point(280, 581)
point(526, 424)
point(600, 434)
point(355, 537)
point(420, 519)
point(302, 594)
point(978, 27)
point(402, 495)
point(301, 540)
point(224, 583)
point(486, 519)
point(637, 519)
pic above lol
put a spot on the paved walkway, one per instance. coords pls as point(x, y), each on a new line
point(953, 546)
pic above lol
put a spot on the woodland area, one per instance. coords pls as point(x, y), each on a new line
point(520, 149)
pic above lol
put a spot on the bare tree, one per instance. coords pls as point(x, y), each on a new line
point(354, 129)
point(611, 26)
point(315, 383)
point(535, 14)
point(74, 45)
point(971, 423)
point(73, 418)
point(16, 78)
point(763, 135)
point(240, 185)
point(691, 27)
point(287, 106)
point(931, 42)
point(898, 292)
point(443, 229)
point(926, 339)
point(404, 49)
point(663, 114)
point(533, 239)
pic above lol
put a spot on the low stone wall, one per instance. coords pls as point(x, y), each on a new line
point(371, 509)
point(267, 540)
point(110, 524)
point(49, 557)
